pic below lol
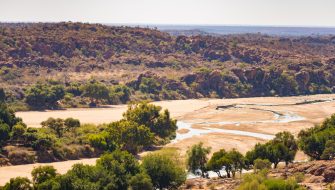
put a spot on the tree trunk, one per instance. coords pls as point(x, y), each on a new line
point(275, 165)
point(228, 173)
point(219, 174)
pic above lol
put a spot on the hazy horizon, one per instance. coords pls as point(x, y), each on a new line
point(285, 13)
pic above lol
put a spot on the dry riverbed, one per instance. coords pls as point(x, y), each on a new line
point(238, 123)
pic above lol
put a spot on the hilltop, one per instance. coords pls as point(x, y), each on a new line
point(177, 67)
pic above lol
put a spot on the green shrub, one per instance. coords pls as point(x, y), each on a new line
point(260, 164)
point(21, 157)
point(42, 174)
point(317, 142)
point(18, 183)
point(41, 96)
point(163, 171)
point(140, 181)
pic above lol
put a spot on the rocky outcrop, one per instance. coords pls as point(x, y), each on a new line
point(315, 171)
point(213, 183)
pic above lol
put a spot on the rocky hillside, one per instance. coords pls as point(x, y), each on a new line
point(315, 175)
point(183, 66)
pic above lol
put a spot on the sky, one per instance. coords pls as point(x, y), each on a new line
point(179, 12)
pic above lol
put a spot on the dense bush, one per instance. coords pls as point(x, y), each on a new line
point(96, 91)
point(42, 174)
point(41, 96)
point(231, 161)
point(282, 148)
point(149, 115)
point(260, 164)
point(142, 125)
point(119, 94)
point(261, 181)
point(163, 171)
point(318, 142)
point(118, 170)
point(149, 85)
point(7, 122)
point(141, 181)
point(18, 183)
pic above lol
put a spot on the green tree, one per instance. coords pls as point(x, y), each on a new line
point(282, 148)
point(149, 115)
point(18, 131)
point(42, 143)
point(7, 116)
point(149, 85)
point(85, 177)
point(232, 161)
point(42, 174)
point(216, 163)
point(4, 133)
point(99, 141)
point(51, 184)
point(56, 125)
point(237, 161)
point(258, 152)
point(285, 85)
point(119, 94)
point(18, 183)
point(329, 151)
point(44, 95)
point(288, 140)
point(197, 158)
point(163, 171)
point(71, 123)
point(141, 181)
point(120, 165)
point(129, 135)
point(96, 91)
point(313, 141)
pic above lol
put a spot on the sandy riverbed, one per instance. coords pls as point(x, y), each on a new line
point(256, 115)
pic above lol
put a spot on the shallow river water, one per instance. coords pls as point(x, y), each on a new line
point(279, 118)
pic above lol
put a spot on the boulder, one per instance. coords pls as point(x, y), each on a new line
point(329, 175)
point(314, 179)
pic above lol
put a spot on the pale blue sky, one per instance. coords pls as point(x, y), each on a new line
point(210, 12)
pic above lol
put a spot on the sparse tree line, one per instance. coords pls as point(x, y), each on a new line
point(281, 149)
point(51, 95)
point(317, 143)
point(92, 93)
point(118, 170)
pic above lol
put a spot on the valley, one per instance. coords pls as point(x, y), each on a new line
point(218, 123)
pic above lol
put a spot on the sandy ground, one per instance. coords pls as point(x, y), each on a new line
point(111, 113)
point(24, 170)
point(202, 110)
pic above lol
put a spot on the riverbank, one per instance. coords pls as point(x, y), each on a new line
point(234, 127)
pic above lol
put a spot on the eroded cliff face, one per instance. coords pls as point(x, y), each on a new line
point(191, 66)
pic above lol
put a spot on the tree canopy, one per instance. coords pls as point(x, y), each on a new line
point(164, 172)
point(282, 148)
point(41, 96)
point(197, 159)
point(317, 142)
